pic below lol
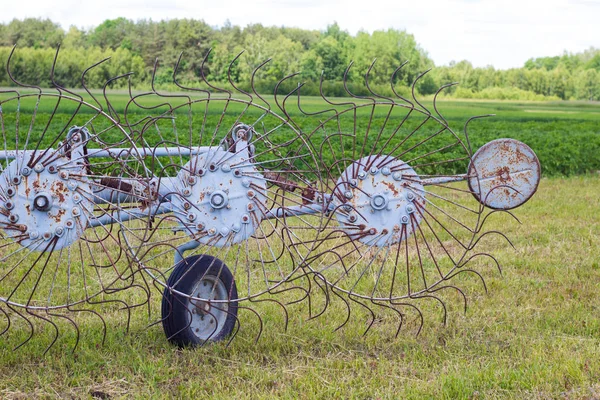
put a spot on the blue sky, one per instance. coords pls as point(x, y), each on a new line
point(502, 33)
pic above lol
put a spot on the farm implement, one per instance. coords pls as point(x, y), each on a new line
point(219, 199)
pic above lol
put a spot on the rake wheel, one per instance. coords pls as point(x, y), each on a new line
point(68, 177)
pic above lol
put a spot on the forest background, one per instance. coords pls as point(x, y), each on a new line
point(134, 46)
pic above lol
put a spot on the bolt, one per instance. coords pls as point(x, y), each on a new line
point(77, 198)
point(75, 211)
point(200, 227)
point(13, 218)
point(59, 231)
point(72, 184)
point(378, 201)
point(187, 192)
point(250, 207)
point(38, 168)
point(192, 180)
point(212, 167)
point(348, 194)
point(52, 169)
point(63, 175)
point(410, 196)
point(226, 168)
point(246, 182)
point(385, 171)
point(11, 192)
point(26, 171)
point(200, 172)
point(372, 231)
point(10, 205)
point(245, 219)
point(47, 235)
point(76, 138)
point(352, 218)
point(374, 171)
point(224, 231)
point(17, 180)
point(353, 183)
point(410, 209)
point(187, 206)
point(404, 219)
point(250, 194)
point(34, 235)
point(397, 176)
point(362, 175)
point(42, 202)
point(191, 217)
point(212, 232)
point(347, 208)
point(236, 227)
point(70, 224)
point(237, 173)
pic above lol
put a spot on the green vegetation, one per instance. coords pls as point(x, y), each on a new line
point(535, 335)
point(135, 45)
point(564, 135)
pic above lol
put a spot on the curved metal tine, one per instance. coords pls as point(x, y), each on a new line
point(368, 73)
point(7, 317)
point(257, 315)
point(324, 288)
point(435, 96)
point(413, 87)
point(393, 86)
point(444, 287)
point(285, 311)
point(472, 271)
point(31, 327)
point(466, 130)
point(467, 260)
point(48, 321)
point(370, 325)
point(348, 310)
point(420, 314)
point(33, 161)
point(391, 307)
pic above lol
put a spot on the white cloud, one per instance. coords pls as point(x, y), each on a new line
point(486, 32)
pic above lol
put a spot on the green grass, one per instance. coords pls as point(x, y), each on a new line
point(536, 334)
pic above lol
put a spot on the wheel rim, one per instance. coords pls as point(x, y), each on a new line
point(207, 319)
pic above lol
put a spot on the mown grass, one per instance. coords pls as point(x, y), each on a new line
point(536, 334)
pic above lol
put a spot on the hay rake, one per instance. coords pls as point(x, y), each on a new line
point(220, 198)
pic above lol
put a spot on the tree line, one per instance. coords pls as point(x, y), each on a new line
point(134, 46)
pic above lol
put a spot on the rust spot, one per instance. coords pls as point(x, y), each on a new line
point(308, 195)
point(58, 216)
point(503, 173)
point(117, 184)
point(392, 187)
point(58, 188)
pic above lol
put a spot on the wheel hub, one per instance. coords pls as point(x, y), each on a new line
point(383, 197)
point(205, 320)
point(222, 197)
point(42, 203)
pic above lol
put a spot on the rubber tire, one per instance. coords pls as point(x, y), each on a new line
point(174, 306)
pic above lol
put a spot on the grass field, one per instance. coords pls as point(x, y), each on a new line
point(535, 334)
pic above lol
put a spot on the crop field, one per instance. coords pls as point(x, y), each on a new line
point(532, 331)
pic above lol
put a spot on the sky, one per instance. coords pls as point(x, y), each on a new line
point(500, 33)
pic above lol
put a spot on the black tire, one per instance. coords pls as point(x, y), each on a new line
point(177, 319)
